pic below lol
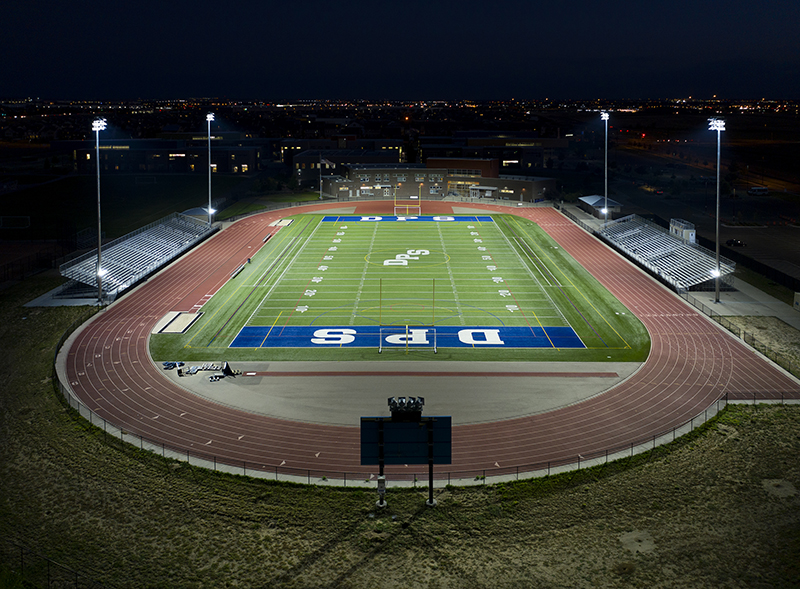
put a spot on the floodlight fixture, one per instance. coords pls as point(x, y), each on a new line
point(406, 404)
point(210, 117)
point(99, 125)
point(604, 116)
point(715, 273)
point(718, 125)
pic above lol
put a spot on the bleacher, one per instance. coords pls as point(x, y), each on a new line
point(128, 259)
point(679, 263)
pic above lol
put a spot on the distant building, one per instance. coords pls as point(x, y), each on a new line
point(466, 178)
point(307, 165)
point(516, 154)
point(164, 155)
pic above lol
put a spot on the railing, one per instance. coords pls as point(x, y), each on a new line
point(37, 570)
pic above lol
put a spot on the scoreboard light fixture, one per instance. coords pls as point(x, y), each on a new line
point(406, 404)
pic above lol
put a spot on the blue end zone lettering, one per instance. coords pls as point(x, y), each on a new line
point(408, 219)
point(369, 336)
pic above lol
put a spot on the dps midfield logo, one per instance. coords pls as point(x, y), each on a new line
point(403, 259)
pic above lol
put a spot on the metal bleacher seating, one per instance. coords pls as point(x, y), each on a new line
point(681, 264)
point(130, 258)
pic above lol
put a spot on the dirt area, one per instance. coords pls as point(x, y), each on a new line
point(774, 333)
point(717, 508)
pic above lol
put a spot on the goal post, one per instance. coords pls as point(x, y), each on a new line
point(407, 207)
point(408, 338)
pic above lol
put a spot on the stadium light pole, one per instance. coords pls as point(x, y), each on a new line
point(97, 126)
point(717, 125)
point(209, 118)
point(604, 117)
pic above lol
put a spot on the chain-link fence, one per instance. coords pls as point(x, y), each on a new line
point(786, 362)
point(37, 570)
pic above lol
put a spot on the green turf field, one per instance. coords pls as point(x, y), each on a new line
point(496, 272)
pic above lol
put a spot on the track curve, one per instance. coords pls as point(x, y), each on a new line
point(692, 363)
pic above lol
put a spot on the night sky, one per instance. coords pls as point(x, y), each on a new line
point(416, 49)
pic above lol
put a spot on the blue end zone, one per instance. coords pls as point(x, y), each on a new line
point(428, 218)
point(368, 336)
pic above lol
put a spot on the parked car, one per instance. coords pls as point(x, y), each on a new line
point(735, 243)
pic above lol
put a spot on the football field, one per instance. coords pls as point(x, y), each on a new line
point(492, 283)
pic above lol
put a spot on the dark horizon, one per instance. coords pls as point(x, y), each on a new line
point(294, 101)
point(265, 50)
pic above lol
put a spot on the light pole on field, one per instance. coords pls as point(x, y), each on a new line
point(717, 125)
point(604, 117)
point(209, 118)
point(97, 126)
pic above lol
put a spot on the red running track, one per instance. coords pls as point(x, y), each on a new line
point(692, 363)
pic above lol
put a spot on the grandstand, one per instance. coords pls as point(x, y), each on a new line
point(132, 257)
point(680, 263)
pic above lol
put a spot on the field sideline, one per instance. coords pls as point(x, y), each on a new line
point(491, 287)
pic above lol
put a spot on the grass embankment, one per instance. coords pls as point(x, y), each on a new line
point(714, 509)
